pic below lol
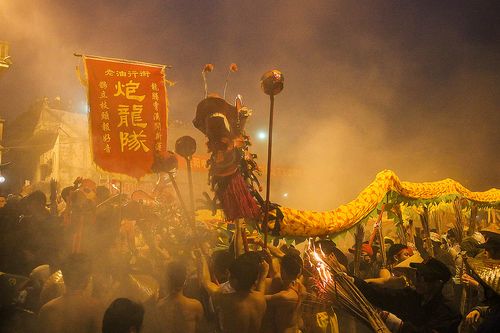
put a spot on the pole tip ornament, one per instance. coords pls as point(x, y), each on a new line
point(272, 82)
point(185, 146)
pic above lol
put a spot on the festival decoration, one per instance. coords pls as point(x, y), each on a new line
point(272, 84)
point(302, 223)
point(186, 147)
point(334, 287)
point(231, 168)
point(128, 114)
point(232, 174)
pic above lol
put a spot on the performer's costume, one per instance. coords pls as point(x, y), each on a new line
point(231, 167)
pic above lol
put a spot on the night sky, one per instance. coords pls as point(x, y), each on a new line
point(411, 86)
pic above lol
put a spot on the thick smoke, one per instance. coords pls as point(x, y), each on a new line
point(407, 86)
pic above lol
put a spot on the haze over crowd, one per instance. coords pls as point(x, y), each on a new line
point(402, 85)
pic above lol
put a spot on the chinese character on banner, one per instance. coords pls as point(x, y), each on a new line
point(128, 114)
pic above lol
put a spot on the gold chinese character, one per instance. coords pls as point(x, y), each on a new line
point(103, 95)
point(154, 86)
point(121, 73)
point(132, 73)
point(105, 127)
point(133, 141)
point(104, 115)
point(104, 105)
point(158, 136)
point(155, 96)
point(156, 105)
point(158, 146)
point(109, 72)
point(156, 116)
point(107, 148)
point(123, 112)
point(157, 126)
point(144, 73)
point(130, 89)
point(136, 116)
point(103, 84)
point(106, 138)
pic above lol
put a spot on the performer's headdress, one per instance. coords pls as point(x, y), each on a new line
point(215, 117)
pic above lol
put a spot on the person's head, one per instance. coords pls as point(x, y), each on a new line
point(76, 270)
point(436, 239)
point(221, 260)
point(491, 231)
point(123, 316)
point(491, 247)
point(431, 276)
point(329, 248)
point(65, 193)
point(39, 275)
point(388, 242)
point(291, 266)
point(398, 253)
point(175, 276)
point(366, 253)
point(243, 273)
point(3, 200)
point(470, 246)
point(36, 202)
point(7, 292)
point(102, 193)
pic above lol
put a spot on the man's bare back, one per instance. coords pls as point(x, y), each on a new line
point(286, 306)
point(179, 314)
point(241, 312)
point(75, 313)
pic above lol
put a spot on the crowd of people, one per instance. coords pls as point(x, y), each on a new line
point(93, 261)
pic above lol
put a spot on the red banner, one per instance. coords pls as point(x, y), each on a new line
point(128, 114)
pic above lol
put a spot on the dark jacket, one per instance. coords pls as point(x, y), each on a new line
point(433, 316)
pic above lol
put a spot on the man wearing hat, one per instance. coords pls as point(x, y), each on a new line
point(492, 244)
point(487, 273)
point(422, 309)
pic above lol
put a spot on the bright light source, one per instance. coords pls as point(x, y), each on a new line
point(285, 195)
point(85, 107)
point(261, 135)
point(2, 179)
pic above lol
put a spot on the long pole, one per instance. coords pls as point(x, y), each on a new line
point(268, 178)
point(190, 181)
point(179, 196)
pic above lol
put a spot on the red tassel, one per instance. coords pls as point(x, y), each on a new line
point(236, 200)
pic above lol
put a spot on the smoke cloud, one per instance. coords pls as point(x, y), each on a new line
point(407, 86)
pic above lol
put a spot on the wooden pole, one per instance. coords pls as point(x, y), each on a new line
point(268, 178)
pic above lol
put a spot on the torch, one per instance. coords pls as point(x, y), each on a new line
point(272, 84)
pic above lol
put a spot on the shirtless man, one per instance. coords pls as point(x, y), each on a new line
point(283, 305)
point(177, 312)
point(242, 310)
point(74, 311)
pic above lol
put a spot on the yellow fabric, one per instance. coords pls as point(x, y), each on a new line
point(326, 323)
point(304, 223)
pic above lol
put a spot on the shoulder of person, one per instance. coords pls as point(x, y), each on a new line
point(52, 304)
point(284, 295)
point(193, 302)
